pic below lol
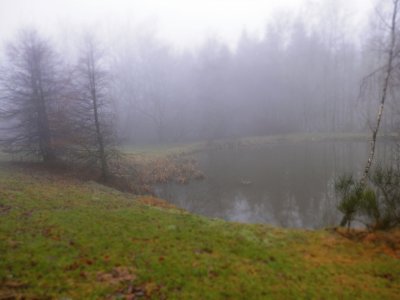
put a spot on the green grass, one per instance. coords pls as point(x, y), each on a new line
point(62, 239)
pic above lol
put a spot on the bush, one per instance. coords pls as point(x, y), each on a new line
point(351, 194)
point(387, 183)
point(376, 204)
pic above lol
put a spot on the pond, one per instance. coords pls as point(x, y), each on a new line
point(288, 184)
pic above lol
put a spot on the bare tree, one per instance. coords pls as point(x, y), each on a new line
point(92, 107)
point(388, 70)
point(30, 87)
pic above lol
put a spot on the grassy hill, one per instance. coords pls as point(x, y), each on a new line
point(65, 239)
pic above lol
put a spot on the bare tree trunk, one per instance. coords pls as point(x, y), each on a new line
point(44, 132)
point(385, 87)
point(99, 135)
point(92, 109)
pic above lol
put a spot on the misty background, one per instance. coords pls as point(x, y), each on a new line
point(191, 70)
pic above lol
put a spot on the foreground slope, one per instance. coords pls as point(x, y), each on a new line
point(65, 239)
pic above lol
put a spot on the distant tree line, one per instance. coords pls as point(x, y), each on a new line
point(296, 77)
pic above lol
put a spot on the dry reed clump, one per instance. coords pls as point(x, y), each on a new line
point(169, 169)
point(145, 172)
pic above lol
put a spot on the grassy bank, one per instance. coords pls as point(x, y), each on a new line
point(154, 151)
point(64, 239)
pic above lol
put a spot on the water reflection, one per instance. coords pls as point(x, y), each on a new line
point(285, 184)
point(242, 210)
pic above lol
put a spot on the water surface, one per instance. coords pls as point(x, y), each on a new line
point(286, 184)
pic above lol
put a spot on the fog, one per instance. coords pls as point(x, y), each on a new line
point(203, 70)
point(184, 24)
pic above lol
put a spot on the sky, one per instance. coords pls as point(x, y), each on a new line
point(184, 23)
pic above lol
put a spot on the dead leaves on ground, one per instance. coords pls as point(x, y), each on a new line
point(12, 290)
point(124, 276)
point(146, 291)
point(387, 242)
point(4, 209)
point(121, 276)
point(117, 275)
